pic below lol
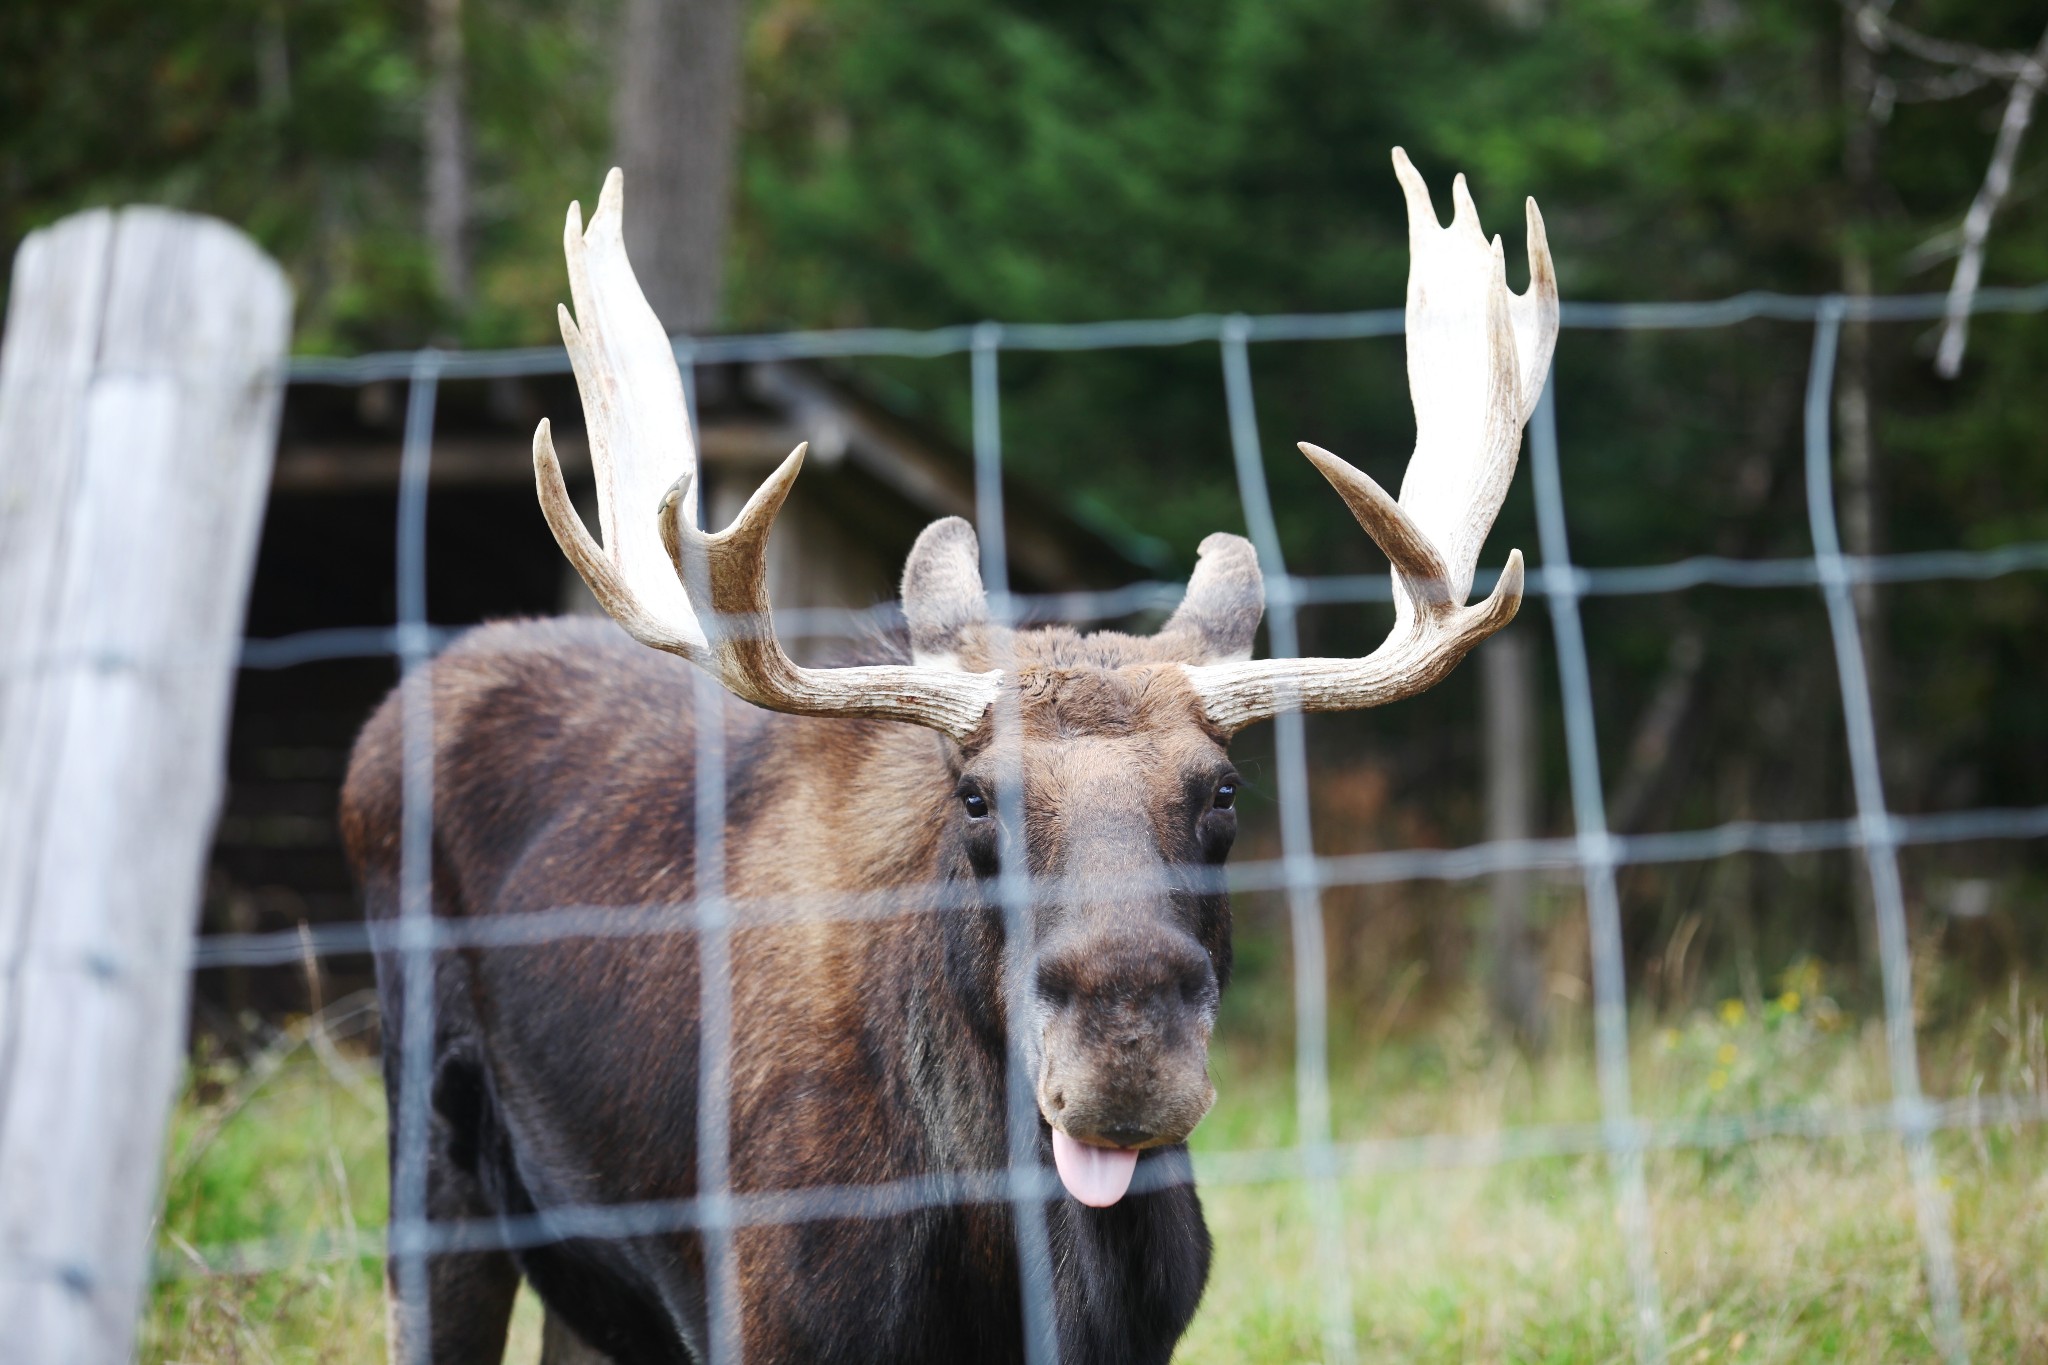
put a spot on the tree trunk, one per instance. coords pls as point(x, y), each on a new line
point(676, 120)
point(447, 160)
point(1506, 681)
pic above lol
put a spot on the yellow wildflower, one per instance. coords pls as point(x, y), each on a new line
point(1727, 1054)
point(1788, 1003)
point(1718, 1081)
point(1732, 1012)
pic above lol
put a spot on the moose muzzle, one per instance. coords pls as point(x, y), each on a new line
point(1126, 1052)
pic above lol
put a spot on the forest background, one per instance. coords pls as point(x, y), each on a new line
point(950, 160)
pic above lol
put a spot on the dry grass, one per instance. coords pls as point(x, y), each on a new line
point(1777, 1251)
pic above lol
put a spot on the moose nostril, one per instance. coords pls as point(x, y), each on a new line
point(1059, 1099)
point(1159, 980)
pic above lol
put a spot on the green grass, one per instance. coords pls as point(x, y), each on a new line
point(1783, 1250)
point(285, 1158)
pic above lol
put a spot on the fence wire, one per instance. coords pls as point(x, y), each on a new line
point(1013, 877)
point(1880, 854)
point(411, 1121)
point(1316, 1159)
point(1297, 848)
point(1603, 894)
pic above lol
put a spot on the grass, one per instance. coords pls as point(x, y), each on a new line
point(1782, 1250)
point(285, 1153)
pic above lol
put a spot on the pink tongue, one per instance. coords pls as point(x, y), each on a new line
point(1097, 1176)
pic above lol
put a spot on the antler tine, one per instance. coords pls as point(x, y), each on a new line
point(667, 583)
point(1418, 568)
point(606, 579)
point(726, 576)
point(633, 408)
point(1534, 314)
point(1462, 378)
point(1477, 359)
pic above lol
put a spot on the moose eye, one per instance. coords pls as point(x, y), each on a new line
point(977, 805)
point(1226, 795)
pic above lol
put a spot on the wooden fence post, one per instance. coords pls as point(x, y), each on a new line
point(139, 390)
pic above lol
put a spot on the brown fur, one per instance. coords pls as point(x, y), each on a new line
point(866, 1049)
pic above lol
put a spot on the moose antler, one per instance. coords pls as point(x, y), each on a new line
point(1477, 357)
point(703, 596)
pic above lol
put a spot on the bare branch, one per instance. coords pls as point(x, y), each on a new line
point(1888, 92)
point(1880, 31)
point(1944, 245)
point(1945, 85)
point(2019, 111)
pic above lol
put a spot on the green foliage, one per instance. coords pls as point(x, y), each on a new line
point(301, 122)
point(1736, 1060)
point(267, 1154)
point(959, 159)
point(952, 160)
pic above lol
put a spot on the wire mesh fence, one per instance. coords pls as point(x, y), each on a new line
point(1317, 1159)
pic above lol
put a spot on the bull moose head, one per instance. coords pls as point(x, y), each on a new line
point(1099, 761)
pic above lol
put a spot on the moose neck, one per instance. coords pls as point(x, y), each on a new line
point(853, 815)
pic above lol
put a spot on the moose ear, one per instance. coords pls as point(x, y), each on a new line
point(1219, 617)
point(942, 592)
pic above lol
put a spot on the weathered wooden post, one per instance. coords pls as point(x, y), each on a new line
point(139, 389)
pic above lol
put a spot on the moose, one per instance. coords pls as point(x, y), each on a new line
point(885, 986)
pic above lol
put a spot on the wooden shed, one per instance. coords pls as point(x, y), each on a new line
point(873, 479)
